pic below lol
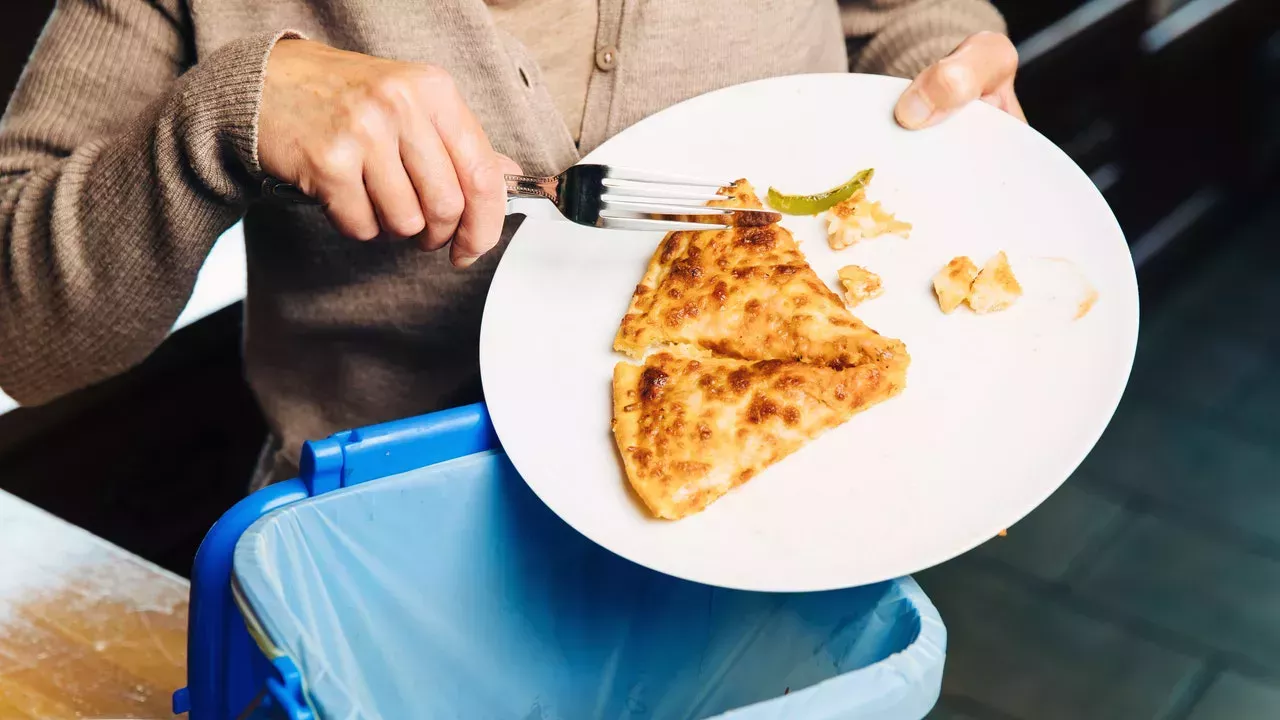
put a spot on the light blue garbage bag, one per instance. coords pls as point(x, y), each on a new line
point(453, 592)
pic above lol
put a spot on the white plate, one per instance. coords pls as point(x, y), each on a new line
point(998, 410)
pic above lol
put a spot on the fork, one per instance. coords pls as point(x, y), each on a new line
point(607, 197)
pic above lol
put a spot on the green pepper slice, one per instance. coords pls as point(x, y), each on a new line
point(814, 204)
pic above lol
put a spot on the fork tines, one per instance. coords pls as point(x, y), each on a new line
point(634, 200)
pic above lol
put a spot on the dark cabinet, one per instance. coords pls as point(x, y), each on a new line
point(1172, 107)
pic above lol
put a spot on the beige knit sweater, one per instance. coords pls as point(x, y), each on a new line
point(130, 146)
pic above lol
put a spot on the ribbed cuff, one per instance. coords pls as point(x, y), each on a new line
point(221, 100)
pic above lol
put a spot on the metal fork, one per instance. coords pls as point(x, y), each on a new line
point(607, 197)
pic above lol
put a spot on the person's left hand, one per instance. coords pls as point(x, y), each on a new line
point(981, 68)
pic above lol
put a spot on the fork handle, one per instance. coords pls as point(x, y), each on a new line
point(273, 189)
point(527, 186)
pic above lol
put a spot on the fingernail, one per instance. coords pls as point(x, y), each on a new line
point(463, 262)
point(914, 111)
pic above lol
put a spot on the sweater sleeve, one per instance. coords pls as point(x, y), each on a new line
point(121, 162)
point(903, 37)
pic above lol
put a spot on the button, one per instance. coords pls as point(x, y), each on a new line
point(607, 58)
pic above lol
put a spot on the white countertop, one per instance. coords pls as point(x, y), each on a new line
point(221, 283)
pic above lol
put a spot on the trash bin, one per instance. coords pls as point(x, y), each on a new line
point(447, 589)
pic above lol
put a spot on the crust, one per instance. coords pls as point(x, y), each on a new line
point(689, 430)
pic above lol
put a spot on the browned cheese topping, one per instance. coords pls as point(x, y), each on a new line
point(752, 357)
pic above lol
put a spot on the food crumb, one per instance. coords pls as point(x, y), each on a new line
point(857, 219)
point(952, 283)
point(995, 288)
point(1003, 533)
point(860, 284)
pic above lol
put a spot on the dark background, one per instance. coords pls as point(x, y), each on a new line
point(1093, 607)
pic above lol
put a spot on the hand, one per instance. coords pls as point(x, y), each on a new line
point(981, 68)
point(389, 147)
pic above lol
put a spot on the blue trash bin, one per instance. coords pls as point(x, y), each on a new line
point(446, 589)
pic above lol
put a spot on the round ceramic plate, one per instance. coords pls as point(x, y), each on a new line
point(998, 410)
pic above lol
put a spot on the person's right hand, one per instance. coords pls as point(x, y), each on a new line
point(389, 147)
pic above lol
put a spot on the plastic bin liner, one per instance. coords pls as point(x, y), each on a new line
point(452, 592)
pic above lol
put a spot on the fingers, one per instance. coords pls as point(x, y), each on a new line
point(439, 193)
point(392, 194)
point(479, 173)
point(390, 148)
point(484, 212)
point(339, 183)
point(982, 66)
point(1007, 100)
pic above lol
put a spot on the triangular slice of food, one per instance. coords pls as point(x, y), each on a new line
point(691, 428)
point(746, 293)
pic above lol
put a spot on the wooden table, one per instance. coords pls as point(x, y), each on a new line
point(87, 630)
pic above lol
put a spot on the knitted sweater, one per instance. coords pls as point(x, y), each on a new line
point(129, 146)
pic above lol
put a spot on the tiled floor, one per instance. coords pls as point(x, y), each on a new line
point(1148, 587)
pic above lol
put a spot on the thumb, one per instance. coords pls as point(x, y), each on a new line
point(980, 66)
point(461, 257)
point(509, 166)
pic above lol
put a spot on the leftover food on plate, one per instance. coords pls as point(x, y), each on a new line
point(995, 288)
point(851, 218)
point(691, 427)
point(858, 219)
point(991, 289)
point(860, 284)
point(746, 293)
point(814, 204)
point(953, 281)
point(755, 357)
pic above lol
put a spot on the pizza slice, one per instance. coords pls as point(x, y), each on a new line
point(690, 428)
point(746, 293)
point(683, 259)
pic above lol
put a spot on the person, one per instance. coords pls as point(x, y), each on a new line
point(141, 130)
